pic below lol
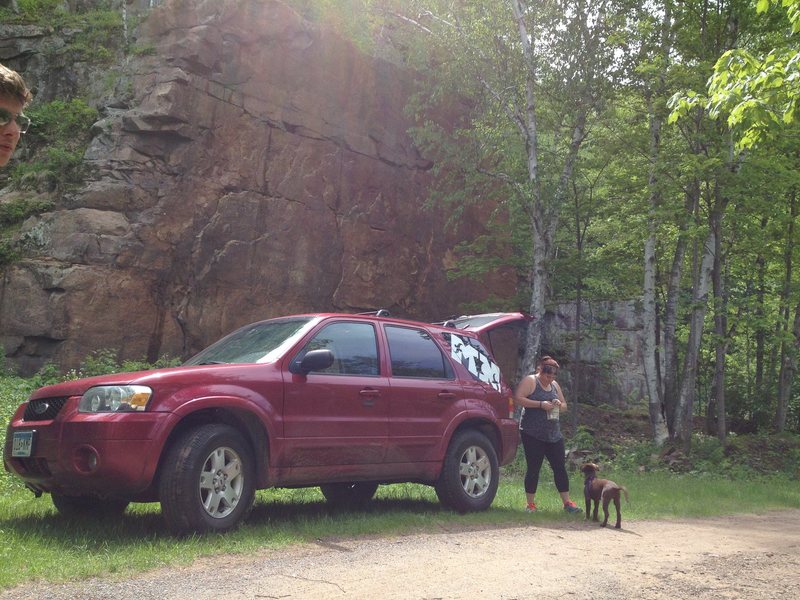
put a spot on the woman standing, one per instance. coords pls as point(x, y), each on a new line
point(542, 402)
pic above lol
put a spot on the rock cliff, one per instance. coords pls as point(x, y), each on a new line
point(262, 167)
point(610, 370)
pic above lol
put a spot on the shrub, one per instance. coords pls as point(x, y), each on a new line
point(765, 453)
point(637, 456)
point(98, 40)
point(60, 121)
point(32, 11)
point(59, 168)
point(102, 362)
point(59, 135)
point(8, 252)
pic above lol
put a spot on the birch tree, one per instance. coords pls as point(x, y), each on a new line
point(654, 93)
point(533, 76)
point(719, 146)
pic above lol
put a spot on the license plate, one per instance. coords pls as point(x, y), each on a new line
point(22, 444)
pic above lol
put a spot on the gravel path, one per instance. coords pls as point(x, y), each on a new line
point(747, 556)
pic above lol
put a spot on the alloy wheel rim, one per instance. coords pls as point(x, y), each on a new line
point(221, 482)
point(475, 471)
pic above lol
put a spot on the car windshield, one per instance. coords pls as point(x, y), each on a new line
point(255, 343)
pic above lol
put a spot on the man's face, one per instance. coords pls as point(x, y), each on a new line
point(9, 133)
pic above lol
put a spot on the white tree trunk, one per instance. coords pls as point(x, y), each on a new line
point(685, 408)
point(650, 346)
point(650, 358)
point(537, 307)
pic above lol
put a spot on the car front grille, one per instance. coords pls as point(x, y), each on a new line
point(44, 409)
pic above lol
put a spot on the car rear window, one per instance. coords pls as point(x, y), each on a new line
point(476, 359)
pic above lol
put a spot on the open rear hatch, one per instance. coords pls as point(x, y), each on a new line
point(502, 333)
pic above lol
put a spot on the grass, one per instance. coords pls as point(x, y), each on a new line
point(37, 544)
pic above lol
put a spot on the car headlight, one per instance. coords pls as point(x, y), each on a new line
point(115, 398)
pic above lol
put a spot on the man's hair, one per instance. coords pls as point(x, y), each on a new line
point(12, 85)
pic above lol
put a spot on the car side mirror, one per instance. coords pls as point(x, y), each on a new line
point(314, 360)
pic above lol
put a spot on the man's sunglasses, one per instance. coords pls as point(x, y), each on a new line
point(21, 120)
point(549, 370)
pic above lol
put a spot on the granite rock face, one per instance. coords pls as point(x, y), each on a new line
point(610, 369)
point(263, 168)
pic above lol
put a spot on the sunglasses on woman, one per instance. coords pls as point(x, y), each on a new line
point(21, 120)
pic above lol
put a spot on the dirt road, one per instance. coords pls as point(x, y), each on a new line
point(748, 556)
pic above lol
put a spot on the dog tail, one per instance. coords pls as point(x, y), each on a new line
point(624, 491)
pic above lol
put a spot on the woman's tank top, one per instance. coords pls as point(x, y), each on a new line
point(534, 421)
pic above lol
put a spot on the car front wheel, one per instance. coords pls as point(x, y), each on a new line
point(207, 480)
point(470, 473)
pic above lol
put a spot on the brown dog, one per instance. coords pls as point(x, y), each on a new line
point(601, 489)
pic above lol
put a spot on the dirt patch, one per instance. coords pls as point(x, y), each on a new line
point(742, 557)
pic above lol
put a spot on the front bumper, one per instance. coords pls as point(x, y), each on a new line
point(107, 455)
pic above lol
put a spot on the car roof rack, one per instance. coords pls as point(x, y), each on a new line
point(381, 312)
point(448, 322)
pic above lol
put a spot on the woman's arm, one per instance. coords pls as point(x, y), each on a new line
point(561, 399)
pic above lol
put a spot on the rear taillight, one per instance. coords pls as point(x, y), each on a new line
point(511, 407)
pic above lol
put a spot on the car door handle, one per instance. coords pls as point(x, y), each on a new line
point(445, 395)
point(368, 396)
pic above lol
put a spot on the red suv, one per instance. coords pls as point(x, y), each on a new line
point(343, 402)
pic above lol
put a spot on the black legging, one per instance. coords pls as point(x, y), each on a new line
point(535, 451)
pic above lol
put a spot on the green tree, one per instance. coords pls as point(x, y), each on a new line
point(530, 79)
point(756, 89)
point(752, 86)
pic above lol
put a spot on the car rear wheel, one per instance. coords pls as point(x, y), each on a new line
point(470, 473)
point(88, 506)
point(349, 494)
point(207, 480)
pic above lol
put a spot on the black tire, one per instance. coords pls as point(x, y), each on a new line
point(84, 507)
point(207, 480)
point(344, 495)
point(470, 473)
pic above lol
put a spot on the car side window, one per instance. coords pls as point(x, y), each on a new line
point(414, 354)
point(474, 357)
point(354, 347)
